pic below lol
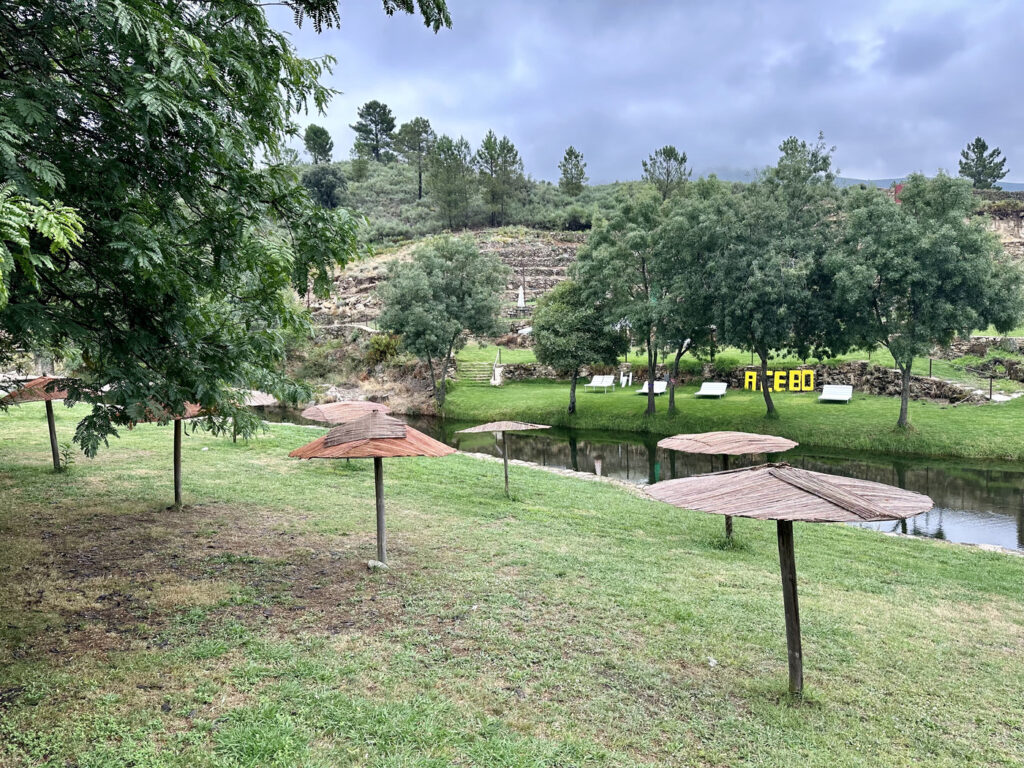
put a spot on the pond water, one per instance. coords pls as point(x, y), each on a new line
point(975, 502)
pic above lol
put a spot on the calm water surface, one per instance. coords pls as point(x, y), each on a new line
point(975, 502)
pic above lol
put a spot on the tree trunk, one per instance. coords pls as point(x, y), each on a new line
point(443, 390)
point(54, 449)
point(652, 370)
point(904, 420)
point(572, 390)
point(675, 375)
point(433, 377)
point(177, 463)
point(419, 189)
point(771, 414)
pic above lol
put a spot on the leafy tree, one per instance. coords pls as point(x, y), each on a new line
point(574, 172)
point(150, 120)
point(449, 289)
point(501, 174)
point(615, 266)
point(375, 131)
point(450, 179)
point(917, 272)
point(570, 331)
point(359, 167)
point(413, 142)
point(318, 143)
point(780, 228)
point(325, 183)
point(690, 242)
point(666, 170)
point(983, 167)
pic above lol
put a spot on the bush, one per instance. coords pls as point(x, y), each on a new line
point(382, 348)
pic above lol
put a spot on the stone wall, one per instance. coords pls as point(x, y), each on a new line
point(978, 346)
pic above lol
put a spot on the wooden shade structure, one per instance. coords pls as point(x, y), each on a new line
point(42, 389)
point(376, 436)
point(786, 494)
point(339, 413)
point(254, 398)
point(726, 444)
point(192, 410)
point(503, 427)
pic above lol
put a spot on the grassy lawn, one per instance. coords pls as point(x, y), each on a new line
point(574, 625)
point(988, 431)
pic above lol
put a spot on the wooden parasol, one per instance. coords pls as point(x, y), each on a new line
point(726, 444)
point(45, 389)
point(786, 494)
point(503, 427)
point(339, 413)
point(161, 414)
point(254, 398)
point(373, 436)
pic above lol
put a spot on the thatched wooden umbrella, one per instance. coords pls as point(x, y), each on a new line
point(373, 436)
point(254, 398)
point(786, 494)
point(726, 444)
point(158, 414)
point(42, 389)
point(342, 412)
point(503, 427)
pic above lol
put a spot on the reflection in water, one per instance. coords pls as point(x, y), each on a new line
point(974, 502)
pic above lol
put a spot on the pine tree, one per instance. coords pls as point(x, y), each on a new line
point(450, 179)
point(375, 131)
point(574, 172)
point(666, 170)
point(413, 142)
point(982, 167)
point(501, 174)
point(318, 143)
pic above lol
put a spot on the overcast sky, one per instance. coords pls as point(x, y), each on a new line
point(897, 86)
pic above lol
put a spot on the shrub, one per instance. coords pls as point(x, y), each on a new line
point(382, 348)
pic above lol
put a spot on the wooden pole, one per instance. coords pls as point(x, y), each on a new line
point(728, 518)
point(787, 564)
point(54, 450)
point(177, 463)
point(378, 489)
point(504, 453)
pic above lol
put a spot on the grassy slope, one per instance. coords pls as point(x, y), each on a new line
point(571, 626)
point(867, 423)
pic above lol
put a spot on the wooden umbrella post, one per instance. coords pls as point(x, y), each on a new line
point(378, 488)
point(504, 454)
point(787, 564)
point(728, 518)
point(177, 463)
point(53, 436)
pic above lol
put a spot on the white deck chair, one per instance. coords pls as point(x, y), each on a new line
point(712, 389)
point(603, 383)
point(836, 393)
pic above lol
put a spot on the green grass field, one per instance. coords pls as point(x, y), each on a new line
point(987, 431)
point(572, 626)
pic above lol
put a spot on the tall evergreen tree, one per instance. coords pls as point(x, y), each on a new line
point(375, 131)
point(574, 172)
point(983, 167)
point(413, 142)
point(318, 143)
point(666, 170)
point(450, 179)
point(501, 174)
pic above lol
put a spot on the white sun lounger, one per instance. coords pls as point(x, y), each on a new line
point(836, 393)
point(712, 389)
point(659, 388)
point(601, 382)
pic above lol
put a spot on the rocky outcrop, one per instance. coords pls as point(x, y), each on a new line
point(978, 346)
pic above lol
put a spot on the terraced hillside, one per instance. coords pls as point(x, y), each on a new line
point(535, 258)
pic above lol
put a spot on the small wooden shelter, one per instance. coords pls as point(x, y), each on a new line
point(726, 444)
point(376, 436)
point(786, 494)
point(502, 427)
point(341, 412)
point(254, 398)
point(45, 389)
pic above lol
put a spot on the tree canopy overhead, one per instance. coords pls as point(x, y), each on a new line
point(984, 167)
point(148, 121)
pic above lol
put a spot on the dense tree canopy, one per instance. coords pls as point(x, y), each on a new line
point(450, 179)
point(985, 168)
point(501, 174)
point(449, 289)
point(570, 331)
point(149, 121)
point(325, 184)
point(375, 131)
point(318, 143)
point(917, 272)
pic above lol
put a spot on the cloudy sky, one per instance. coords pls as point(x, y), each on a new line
point(897, 86)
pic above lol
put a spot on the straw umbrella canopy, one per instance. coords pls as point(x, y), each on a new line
point(503, 427)
point(342, 412)
point(373, 436)
point(726, 444)
point(254, 398)
point(45, 389)
point(786, 494)
point(158, 413)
